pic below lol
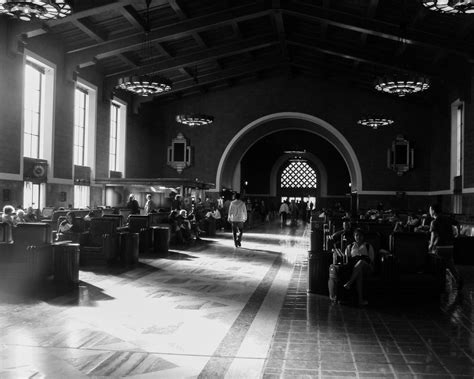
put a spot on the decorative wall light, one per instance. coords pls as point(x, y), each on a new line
point(27, 10)
point(179, 153)
point(194, 119)
point(402, 85)
point(400, 157)
point(450, 6)
point(145, 85)
point(374, 122)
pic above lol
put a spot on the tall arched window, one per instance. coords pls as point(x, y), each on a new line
point(298, 174)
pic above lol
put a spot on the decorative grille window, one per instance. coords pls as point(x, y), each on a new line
point(298, 175)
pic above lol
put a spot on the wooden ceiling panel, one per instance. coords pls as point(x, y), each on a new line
point(218, 36)
point(299, 26)
point(192, 8)
point(181, 46)
point(256, 26)
point(358, 7)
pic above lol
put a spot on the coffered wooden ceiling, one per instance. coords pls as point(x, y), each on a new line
point(205, 44)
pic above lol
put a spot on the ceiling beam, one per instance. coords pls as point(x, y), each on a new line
point(85, 56)
point(372, 26)
point(280, 28)
point(88, 28)
point(363, 57)
point(83, 9)
point(223, 75)
point(133, 17)
point(206, 55)
point(371, 11)
point(174, 4)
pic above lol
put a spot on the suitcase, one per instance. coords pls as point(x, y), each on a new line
point(333, 281)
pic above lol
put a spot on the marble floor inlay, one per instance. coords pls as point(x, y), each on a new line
point(214, 311)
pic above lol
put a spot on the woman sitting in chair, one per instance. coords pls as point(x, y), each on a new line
point(360, 258)
point(68, 228)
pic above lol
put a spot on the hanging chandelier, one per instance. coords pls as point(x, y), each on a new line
point(27, 10)
point(145, 85)
point(402, 85)
point(194, 119)
point(450, 6)
point(375, 122)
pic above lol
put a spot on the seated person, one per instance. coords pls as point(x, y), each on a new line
point(215, 214)
point(174, 220)
point(193, 225)
point(68, 229)
point(9, 216)
point(425, 224)
point(360, 257)
point(30, 215)
point(184, 225)
point(20, 216)
point(345, 234)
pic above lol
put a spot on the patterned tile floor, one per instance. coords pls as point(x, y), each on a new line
point(214, 311)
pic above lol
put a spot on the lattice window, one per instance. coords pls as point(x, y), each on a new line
point(298, 175)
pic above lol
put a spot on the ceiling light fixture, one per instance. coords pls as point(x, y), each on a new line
point(145, 85)
point(402, 85)
point(375, 122)
point(27, 10)
point(295, 152)
point(450, 6)
point(194, 119)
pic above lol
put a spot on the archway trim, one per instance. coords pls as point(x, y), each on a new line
point(333, 136)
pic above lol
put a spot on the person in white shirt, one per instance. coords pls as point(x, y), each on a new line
point(149, 205)
point(237, 216)
point(283, 212)
point(360, 258)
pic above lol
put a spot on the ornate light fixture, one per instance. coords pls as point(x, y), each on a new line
point(375, 122)
point(295, 152)
point(145, 85)
point(194, 119)
point(450, 6)
point(27, 10)
point(402, 85)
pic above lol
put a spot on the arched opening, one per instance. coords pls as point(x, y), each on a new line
point(298, 181)
point(229, 169)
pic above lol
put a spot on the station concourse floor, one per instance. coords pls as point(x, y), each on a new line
point(215, 311)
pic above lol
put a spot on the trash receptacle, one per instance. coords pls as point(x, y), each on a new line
point(129, 248)
point(211, 227)
point(161, 239)
point(66, 264)
point(318, 272)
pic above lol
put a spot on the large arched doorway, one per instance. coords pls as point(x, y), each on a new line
point(228, 172)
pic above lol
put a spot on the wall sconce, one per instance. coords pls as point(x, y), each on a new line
point(179, 153)
point(400, 157)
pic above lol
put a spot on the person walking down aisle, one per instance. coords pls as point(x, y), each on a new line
point(237, 216)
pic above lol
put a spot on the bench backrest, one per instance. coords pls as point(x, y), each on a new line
point(137, 222)
point(100, 226)
point(158, 218)
point(32, 233)
point(118, 218)
point(410, 250)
